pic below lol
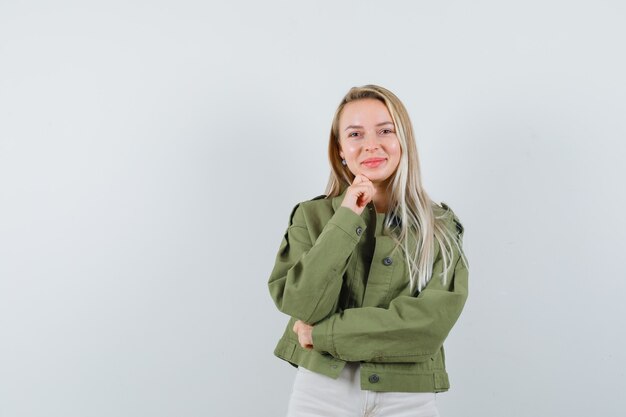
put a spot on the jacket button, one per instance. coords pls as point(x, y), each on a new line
point(387, 261)
point(359, 230)
point(374, 378)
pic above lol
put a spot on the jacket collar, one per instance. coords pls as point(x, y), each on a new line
point(336, 201)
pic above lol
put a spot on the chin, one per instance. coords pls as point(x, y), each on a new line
point(377, 178)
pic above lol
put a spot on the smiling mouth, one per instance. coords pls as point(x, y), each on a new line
point(373, 162)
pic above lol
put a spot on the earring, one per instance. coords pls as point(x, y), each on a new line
point(343, 162)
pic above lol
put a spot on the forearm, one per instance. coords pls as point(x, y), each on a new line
point(307, 279)
point(412, 329)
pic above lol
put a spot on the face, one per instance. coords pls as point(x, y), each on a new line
point(368, 141)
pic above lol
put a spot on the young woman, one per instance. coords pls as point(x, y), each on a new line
point(372, 274)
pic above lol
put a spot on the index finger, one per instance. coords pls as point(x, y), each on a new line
point(360, 178)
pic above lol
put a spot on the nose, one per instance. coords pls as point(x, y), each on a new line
point(371, 142)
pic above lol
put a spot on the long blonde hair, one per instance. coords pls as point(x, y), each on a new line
point(408, 200)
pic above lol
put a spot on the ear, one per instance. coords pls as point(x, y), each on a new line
point(341, 153)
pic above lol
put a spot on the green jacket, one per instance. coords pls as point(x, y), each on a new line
point(336, 270)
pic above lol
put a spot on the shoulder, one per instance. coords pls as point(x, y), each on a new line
point(443, 212)
point(311, 210)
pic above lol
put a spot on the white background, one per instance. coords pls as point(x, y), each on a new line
point(151, 152)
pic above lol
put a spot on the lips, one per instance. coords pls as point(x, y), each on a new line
point(373, 162)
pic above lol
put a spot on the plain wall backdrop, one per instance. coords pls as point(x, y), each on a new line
point(151, 152)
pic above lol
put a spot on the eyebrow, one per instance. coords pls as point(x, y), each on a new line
point(361, 127)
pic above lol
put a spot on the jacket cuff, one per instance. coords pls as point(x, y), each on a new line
point(350, 222)
point(322, 336)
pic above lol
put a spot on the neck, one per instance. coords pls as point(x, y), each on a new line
point(381, 198)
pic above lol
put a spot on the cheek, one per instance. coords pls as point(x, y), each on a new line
point(350, 151)
point(394, 150)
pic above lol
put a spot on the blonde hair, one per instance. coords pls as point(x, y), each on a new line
point(408, 201)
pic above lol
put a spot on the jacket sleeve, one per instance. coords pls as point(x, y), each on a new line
point(307, 276)
point(411, 329)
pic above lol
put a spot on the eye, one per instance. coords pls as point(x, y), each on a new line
point(386, 131)
point(353, 134)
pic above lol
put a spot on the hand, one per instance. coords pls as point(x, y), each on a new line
point(359, 194)
point(305, 334)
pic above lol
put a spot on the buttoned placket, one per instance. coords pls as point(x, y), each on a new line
point(381, 268)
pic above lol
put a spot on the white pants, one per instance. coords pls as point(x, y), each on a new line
point(316, 395)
